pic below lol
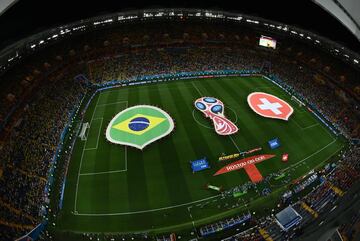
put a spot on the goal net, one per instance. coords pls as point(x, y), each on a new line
point(83, 132)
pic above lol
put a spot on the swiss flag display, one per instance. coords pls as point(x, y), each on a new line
point(285, 157)
point(269, 106)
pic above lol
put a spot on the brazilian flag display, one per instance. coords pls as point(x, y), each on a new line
point(138, 126)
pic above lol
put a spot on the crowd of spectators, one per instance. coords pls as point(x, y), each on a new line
point(51, 94)
point(29, 149)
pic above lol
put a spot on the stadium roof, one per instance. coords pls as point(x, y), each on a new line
point(14, 12)
point(5, 4)
point(346, 11)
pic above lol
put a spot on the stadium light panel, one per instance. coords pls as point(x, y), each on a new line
point(236, 19)
point(148, 15)
point(356, 61)
point(159, 14)
point(252, 21)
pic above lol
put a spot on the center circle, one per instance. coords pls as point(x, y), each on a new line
point(139, 124)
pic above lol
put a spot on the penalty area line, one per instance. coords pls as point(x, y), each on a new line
point(99, 173)
point(82, 157)
point(197, 89)
point(112, 103)
point(310, 126)
point(296, 164)
point(145, 211)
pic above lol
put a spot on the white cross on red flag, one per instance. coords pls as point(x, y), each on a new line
point(269, 106)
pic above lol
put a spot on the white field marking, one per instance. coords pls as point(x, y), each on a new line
point(306, 127)
point(98, 136)
point(107, 172)
point(297, 123)
point(113, 103)
point(82, 156)
point(313, 125)
point(314, 153)
point(99, 173)
point(197, 89)
point(90, 149)
point(236, 146)
point(327, 131)
point(145, 211)
point(316, 124)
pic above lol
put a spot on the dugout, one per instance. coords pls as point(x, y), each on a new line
point(288, 218)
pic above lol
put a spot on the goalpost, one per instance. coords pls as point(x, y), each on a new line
point(83, 132)
point(295, 99)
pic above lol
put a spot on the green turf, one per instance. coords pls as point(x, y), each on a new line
point(123, 189)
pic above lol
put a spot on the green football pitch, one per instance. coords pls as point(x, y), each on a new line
point(113, 188)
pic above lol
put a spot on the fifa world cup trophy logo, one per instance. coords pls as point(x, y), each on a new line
point(214, 109)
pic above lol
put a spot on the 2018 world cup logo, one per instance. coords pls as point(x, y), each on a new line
point(214, 109)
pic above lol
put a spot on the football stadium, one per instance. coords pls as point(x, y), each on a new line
point(180, 124)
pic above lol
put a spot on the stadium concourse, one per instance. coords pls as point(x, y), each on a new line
point(40, 93)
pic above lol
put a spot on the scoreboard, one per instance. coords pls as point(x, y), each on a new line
point(267, 42)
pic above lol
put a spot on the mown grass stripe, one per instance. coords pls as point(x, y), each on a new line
point(156, 176)
point(136, 178)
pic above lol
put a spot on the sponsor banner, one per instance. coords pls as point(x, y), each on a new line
point(269, 106)
point(252, 150)
point(199, 165)
point(274, 143)
point(236, 155)
point(243, 163)
point(228, 157)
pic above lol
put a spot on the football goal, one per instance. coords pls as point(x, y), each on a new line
point(83, 132)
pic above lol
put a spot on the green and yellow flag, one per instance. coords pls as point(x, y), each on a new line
point(138, 126)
